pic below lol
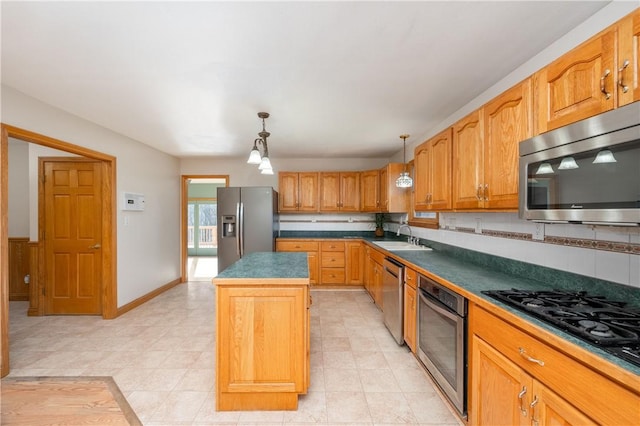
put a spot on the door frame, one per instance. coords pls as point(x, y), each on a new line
point(109, 246)
point(184, 200)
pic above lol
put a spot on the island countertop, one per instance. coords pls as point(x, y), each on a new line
point(266, 268)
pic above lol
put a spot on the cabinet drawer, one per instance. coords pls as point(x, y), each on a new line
point(565, 375)
point(333, 276)
point(296, 245)
point(333, 259)
point(332, 246)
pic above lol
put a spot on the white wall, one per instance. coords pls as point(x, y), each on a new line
point(149, 245)
point(18, 194)
point(596, 23)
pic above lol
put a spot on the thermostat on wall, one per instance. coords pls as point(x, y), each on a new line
point(132, 202)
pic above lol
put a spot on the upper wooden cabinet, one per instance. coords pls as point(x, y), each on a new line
point(580, 84)
point(508, 120)
point(378, 191)
point(340, 191)
point(468, 162)
point(298, 191)
point(433, 173)
point(392, 198)
point(370, 191)
point(629, 59)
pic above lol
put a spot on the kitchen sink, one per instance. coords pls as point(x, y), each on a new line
point(398, 245)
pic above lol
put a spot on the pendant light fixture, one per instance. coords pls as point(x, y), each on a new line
point(404, 180)
point(255, 157)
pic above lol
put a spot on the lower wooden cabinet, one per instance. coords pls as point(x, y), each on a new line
point(516, 379)
point(312, 249)
point(354, 263)
point(262, 339)
point(373, 274)
point(331, 262)
point(410, 312)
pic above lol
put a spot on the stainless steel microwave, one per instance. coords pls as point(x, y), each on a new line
point(587, 172)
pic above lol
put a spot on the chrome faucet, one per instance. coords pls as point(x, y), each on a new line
point(411, 240)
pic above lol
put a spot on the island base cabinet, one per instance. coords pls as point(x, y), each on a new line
point(262, 347)
point(517, 379)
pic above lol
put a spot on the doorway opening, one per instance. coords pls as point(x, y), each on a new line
point(108, 288)
point(199, 231)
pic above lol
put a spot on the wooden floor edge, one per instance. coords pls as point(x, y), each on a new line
point(143, 299)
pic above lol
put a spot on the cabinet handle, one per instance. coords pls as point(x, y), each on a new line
point(523, 410)
point(485, 192)
point(535, 401)
point(623, 86)
point(523, 353)
point(606, 94)
point(478, 192)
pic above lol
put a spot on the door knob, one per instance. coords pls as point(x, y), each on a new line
point(95, 246)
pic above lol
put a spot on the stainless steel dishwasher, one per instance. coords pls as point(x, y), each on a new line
point(393, 298)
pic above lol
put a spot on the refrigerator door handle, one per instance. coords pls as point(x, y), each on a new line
point(241, 229)
point(238, 229)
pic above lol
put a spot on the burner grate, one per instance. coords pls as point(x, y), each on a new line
point(601, 322)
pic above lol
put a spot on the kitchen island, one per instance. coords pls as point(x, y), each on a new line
point(262, 332)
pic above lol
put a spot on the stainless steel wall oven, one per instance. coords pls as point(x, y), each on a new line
point(442, 335)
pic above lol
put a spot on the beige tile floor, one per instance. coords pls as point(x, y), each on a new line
point(161, 355)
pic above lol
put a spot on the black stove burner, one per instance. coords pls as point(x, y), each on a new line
point(604, 323)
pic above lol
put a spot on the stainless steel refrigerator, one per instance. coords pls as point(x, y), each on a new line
point(247, 222)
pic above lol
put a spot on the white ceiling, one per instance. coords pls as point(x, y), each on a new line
point(340, 79)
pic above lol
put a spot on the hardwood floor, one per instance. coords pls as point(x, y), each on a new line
point(39, 401)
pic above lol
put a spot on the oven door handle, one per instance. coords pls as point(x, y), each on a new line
point(437, 306)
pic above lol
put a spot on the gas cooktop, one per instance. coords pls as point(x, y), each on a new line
point(606, 324)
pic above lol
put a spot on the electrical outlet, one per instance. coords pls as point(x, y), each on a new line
point(478, 225)
point(452, 223)
point(350, 220)
point(538, 232)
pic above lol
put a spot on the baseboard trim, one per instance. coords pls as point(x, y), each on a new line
point(143, 299)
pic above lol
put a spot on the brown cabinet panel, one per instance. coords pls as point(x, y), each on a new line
point(354, 264)
point(410, 312)
point(579, 84)
point(332, 259)
point(433, 173)
point(350, 191)
point(628, 66)
point(508, 121)
point(370, 191)
point(298, 191)
point(332, 246)
point(468, 162)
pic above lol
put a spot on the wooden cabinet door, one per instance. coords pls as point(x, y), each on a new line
point(354, 263)
point(628, 66)
point(370, 191)
point(410, 309)
point(274, 317)
point(329, 191)
point(308, 191)
point(314, 267)
point(468, 162)
point(578, 85)
point(440, 176)
point(422, 161)
point(383, 182)
point(350, 191)
point(288, 191)
point(377, 284)
point(551, 409)
point(507, 120)
point(500, 390)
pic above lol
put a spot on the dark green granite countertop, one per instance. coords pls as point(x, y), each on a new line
point(474, 272)
point(474, 278)
point(266, 265)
